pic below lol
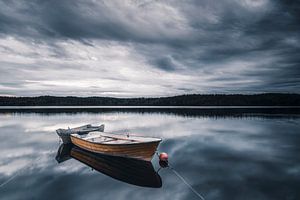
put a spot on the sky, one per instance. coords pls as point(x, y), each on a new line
point(148, 47)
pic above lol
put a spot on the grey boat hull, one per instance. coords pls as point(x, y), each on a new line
point(64, 134)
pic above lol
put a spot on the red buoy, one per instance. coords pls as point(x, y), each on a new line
point(163, 157)
point(163, 160)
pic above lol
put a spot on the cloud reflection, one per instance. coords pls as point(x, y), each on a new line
point(223, 158)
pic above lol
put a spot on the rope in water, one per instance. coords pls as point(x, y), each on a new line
point(183, 179)
point(21, 170)
point(9, 180)
point(24, 168)
point(186, 183)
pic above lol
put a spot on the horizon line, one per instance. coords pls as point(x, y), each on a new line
point(204, 94)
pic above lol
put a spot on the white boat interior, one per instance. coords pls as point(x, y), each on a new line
point(112, 138)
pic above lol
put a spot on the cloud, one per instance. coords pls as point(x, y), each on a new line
point(148, 48)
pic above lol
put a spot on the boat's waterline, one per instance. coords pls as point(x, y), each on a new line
point(128, 170)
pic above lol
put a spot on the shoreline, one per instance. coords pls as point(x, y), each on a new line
point(145, 107)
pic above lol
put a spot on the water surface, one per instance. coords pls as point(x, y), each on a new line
point(222, 154)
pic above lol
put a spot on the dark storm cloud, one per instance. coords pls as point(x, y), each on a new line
point(73, 19)
point(253, 45)
point(165, 63)
point(98, 19)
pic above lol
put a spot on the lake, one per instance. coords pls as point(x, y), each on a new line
point(222, 153)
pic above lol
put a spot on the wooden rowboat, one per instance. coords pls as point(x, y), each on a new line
point(128, 170)
point(138, 147)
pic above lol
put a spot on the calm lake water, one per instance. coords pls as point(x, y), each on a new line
point(223, 154)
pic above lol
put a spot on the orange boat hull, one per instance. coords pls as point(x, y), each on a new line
point(142, 151)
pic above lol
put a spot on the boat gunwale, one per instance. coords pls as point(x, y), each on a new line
point(158, 140)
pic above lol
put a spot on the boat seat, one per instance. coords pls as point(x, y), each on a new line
point(91, 137)
point(108, 140)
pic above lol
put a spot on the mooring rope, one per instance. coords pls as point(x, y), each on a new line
point(182, 179)
point(22, 169)
point(9, 180)
point(186, 183)
point(25, 167)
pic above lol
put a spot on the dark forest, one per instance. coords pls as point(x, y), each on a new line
point(267, 99)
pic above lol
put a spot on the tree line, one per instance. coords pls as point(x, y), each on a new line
point(266, 99)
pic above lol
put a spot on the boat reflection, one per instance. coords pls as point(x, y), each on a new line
point(129, 170)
